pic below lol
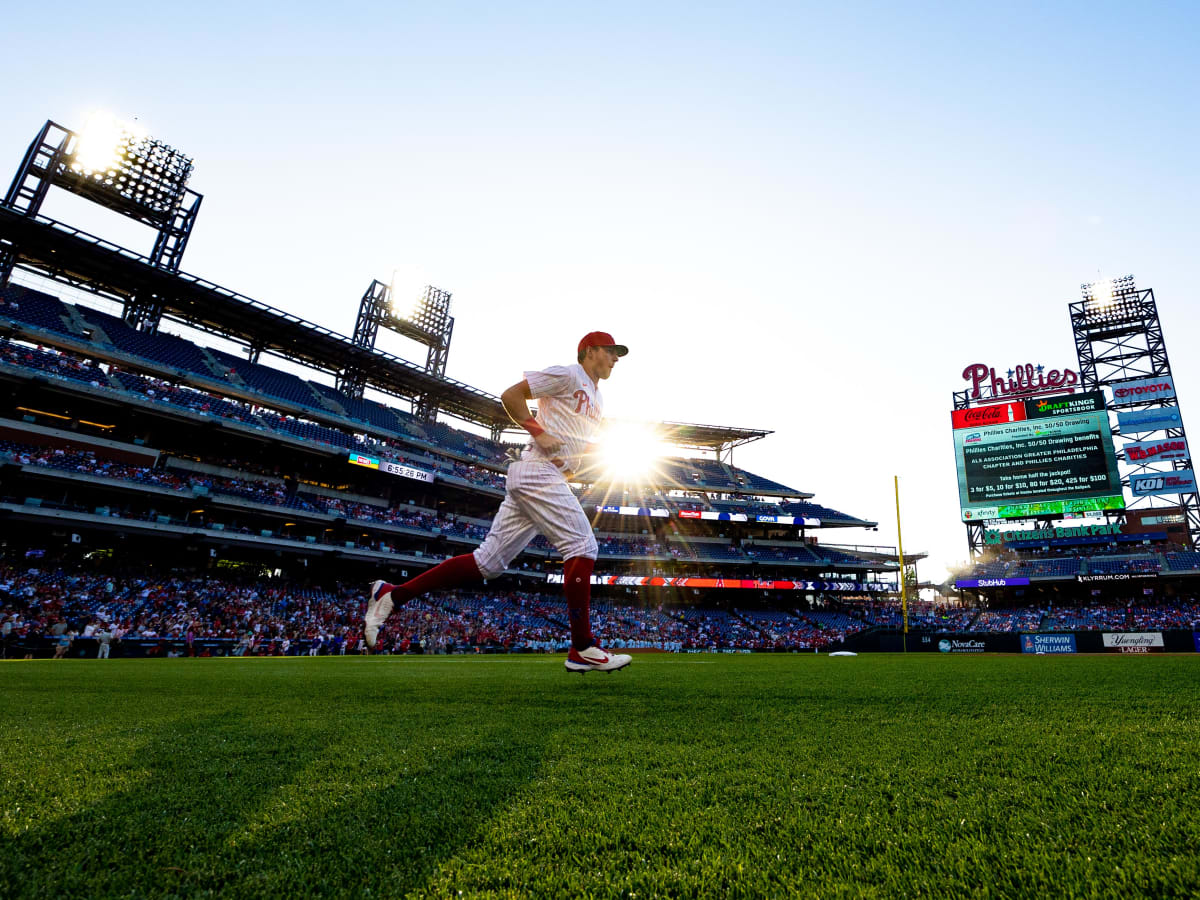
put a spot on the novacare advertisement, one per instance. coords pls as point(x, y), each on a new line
point(955, 645)
point(1133, 642)
point(1047, 643)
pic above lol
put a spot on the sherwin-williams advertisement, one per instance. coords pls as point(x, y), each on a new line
point(1052, 451)
point(1047, 643)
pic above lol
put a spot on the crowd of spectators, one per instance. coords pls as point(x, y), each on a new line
point(630, 546)
point(272, 616)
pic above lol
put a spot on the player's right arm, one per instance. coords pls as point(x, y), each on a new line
point(515, 400)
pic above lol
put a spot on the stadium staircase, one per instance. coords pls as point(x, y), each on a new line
point(218, 369)
point(325, 400)
point(80, 325)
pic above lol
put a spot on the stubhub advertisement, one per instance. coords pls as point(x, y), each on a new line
point(1047, 643)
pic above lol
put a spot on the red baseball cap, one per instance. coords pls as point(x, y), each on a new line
point(601, 339)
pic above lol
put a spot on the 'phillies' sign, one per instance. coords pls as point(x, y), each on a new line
point(1025, 380)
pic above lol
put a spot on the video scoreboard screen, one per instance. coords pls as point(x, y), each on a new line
point(1046, 457)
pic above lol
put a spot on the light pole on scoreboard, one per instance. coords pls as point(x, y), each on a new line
point(903, 580)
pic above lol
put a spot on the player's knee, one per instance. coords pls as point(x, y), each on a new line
point(489, 566)
point(581, 546)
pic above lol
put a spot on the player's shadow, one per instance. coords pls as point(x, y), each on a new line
point(244, 809)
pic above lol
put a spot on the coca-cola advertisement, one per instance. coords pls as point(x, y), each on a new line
point(981, 416)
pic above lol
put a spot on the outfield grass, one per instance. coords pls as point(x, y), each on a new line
point(879, 776)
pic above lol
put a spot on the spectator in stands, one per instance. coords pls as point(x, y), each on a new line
point(537, 498)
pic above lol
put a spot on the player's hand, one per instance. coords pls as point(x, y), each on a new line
point(548, 443)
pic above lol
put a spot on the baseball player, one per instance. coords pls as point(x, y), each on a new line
point(536, 499)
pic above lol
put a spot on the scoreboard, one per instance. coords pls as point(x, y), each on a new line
point(1050, 456)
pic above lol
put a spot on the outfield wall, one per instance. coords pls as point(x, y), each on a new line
point(874, 641)
point(1040, 642)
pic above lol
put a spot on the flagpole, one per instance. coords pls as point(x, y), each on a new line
point(903, 581)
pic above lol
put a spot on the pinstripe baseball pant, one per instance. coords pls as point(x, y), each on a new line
point(536, 499)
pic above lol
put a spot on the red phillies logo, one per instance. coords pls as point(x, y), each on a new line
point(1020, 381)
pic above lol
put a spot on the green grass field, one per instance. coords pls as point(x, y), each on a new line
point(690, 776)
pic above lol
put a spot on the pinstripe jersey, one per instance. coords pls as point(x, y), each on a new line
point(570, 408)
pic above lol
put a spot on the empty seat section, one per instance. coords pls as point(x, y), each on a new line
point(34, 308)
point(269, 381)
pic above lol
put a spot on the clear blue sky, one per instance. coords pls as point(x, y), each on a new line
point(805, 219)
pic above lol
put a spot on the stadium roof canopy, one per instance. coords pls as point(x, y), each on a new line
point(83, 260)
point(708, 437)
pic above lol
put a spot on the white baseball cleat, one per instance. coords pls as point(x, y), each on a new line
point(595, 659)
point(379, 607)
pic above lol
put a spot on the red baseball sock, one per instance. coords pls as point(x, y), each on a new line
point(459, 571)
point(577, 583)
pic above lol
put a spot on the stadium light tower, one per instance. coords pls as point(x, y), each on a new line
point(1120, 345)
point(428, 322)
point(119, 167)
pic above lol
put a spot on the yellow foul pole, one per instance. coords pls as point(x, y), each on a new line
point(903, 583)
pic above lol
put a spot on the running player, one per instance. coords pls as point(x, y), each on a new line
point(536, 499)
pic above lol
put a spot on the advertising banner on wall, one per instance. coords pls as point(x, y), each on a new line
point(1149, 451)
point(1047, 643)
point(1133, 642)
point(636, 511)
point(806, 521)
point(1051, 534)
point(1155, 483)
point(688, 581)
point(990, 582)
point(1102, 577)
point(1142, 390)
point(983, 416)
point(961, 645)
point(1055, 451)
point(1157, 419)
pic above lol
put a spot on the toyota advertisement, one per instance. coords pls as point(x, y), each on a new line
point(1047, 456)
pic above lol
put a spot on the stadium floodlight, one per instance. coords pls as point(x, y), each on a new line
point(1111, 300)
point(630, 452)
point(101, 144)
point(118, 160)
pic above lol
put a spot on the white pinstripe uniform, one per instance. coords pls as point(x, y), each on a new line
point(537, 497)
